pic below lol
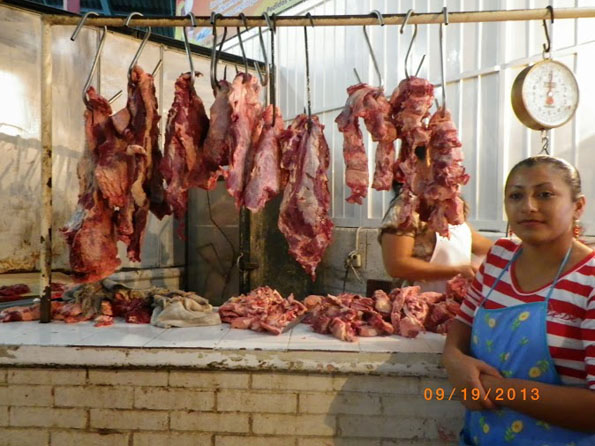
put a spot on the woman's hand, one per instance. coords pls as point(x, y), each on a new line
point(467, 271)
point(464, 373)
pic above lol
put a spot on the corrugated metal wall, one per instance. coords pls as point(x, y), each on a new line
point(482, 60)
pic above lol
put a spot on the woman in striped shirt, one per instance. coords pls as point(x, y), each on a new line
point(523, 344)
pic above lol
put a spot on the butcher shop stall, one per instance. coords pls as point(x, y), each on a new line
point(191, 204)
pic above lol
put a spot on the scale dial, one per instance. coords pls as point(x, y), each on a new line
point(545, 95)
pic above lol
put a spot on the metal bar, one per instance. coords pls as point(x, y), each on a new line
point(45, 255)
point(338, 20)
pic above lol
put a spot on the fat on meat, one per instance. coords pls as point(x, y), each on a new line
point(370, 104)
point(244, 129)
point(183, 165)
point(304, 212)
point(90, 233)
point(264, 181)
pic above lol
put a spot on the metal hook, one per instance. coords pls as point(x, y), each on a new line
point(263, 81)
point(97, 53)
point(142, 45)
point(308, 15)
point(547, 46)
point(545, 142)
point(410, 44)
point(445, 12)
point(243, 17)
point(271, 69)
point(214, 52)
point(187, 46)
point(374, 61)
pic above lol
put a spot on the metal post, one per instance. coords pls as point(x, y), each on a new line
point(45, 257)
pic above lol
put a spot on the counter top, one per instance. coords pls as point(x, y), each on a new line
point(216, 347)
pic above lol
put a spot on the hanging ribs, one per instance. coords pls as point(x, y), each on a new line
point(304, 214)
point(370, 104)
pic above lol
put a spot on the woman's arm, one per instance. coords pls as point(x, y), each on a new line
point(397, 253)
point(463, 370)
point(480, 245)
point(564, 406)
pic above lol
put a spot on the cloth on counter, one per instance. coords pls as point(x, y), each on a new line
point(183, 310)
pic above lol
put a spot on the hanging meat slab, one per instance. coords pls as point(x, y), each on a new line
point(370, 104)
point(183, 164)
point(218, 142)
point(304, 214)
point(264, 182)
point(245, 130)
point(137, 124)
point(90, 233)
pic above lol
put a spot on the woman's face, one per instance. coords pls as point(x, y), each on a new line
point(539, 204)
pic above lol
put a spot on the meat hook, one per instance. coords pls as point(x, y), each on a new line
point(97, 53)
point(445, 12)
point(142, 45)
point(214, 58)
point(308, 15)
point(271, 69)
point(547, 45)
point(243, 17)
point(410, 43)
point(187, 46)
point(381, 21)
point(264, 79)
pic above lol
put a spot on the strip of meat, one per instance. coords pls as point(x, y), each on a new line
point(448, 174)
point(304, 213)
point(90, 232)
point(265, 179)
point(245, 120)
point(370, 104)
point(186, 129)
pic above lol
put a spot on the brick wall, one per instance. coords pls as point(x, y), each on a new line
point(111, 407)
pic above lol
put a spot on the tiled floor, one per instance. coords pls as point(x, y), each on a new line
point(301, 337)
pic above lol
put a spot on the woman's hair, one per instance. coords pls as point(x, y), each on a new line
point(569, 172)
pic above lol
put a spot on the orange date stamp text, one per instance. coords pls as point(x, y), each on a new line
point(474, 394)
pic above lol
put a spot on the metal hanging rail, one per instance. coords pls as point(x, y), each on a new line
point(338, 20)
point(50, 20)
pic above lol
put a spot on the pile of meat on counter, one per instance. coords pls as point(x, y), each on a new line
point(103, 301)
point(124, 175)
point(404, 311)
point(433, 193)
point(263, 309)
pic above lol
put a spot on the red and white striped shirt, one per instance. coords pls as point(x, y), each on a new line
point(571, 310)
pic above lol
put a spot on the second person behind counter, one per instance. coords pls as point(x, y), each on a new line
point(419, 256)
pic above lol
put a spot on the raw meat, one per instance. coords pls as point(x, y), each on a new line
point(370, 104)
point(411, 102)
point(456, 288)
point(265, 179)
point(218, 142)
point(183, 165)
point(304, 214)
point(245, 130)
point(263, 309)
point(90, 233)
point(441, 192)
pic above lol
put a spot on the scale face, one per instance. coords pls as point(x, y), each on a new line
point(545, 95)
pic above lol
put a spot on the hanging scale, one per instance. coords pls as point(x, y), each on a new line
point(545, 95)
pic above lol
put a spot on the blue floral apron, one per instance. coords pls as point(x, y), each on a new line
point(514, 341)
